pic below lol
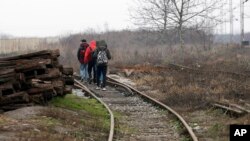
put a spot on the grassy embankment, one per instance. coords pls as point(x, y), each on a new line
point(94, 118)
point(64, 119)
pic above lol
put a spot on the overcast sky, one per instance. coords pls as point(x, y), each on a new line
point(57, 17)
point(54, 17)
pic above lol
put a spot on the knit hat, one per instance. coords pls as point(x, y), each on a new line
point(102, 43)
point(83, 40)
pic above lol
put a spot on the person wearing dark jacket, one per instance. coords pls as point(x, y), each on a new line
point(102, 56)
point(80, 55)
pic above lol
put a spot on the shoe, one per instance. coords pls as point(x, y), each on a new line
point(85, 80)
point(97, 88)
point(104, 89)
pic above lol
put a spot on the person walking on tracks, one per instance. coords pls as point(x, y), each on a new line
point(80, 55)
point(102, 56)
point(91, 61)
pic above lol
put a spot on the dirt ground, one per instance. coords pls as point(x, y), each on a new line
point(50, 123)
point(35, 123)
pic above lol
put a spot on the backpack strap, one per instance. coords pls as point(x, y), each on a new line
point(90, 48)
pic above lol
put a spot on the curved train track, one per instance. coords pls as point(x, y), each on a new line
point(137, 115)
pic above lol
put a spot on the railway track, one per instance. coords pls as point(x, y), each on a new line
point(137, 116)
point(83, 87)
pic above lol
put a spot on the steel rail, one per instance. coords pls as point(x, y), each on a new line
point(189, 129)
point(121, 85)
point(112, 123)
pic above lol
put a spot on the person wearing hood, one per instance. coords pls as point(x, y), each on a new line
point(80, 55)
point(102, 56)
point(91, 61)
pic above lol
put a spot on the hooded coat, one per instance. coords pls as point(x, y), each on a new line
point(88, 54)
point(102, 46)
point(81, 52)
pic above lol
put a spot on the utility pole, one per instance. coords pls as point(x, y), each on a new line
point(222, 24)
point(242, 38)
point(231, 21)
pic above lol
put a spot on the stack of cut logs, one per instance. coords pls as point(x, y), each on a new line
point(33, 78)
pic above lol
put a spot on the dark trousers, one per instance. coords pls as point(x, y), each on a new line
point(101, 70)
point(91, 66)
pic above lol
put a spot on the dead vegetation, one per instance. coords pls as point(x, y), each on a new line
point(197, 83)
point(190, 86)
point(217, 73)
point(203, 75)
point(194, 89)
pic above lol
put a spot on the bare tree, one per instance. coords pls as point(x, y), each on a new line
point(187, 13)
point(179, 14)
point(151, 14)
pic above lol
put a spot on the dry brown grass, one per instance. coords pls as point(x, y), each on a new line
point(194, 88)
point(127, 51)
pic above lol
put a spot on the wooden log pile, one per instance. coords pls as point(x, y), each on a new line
point(33, 78)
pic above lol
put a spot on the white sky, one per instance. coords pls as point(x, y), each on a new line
point(56, 17)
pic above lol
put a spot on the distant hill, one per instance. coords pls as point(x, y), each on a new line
point(225, 38)
point(5, 36)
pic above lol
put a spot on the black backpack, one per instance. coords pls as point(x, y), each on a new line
point(81, 53)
